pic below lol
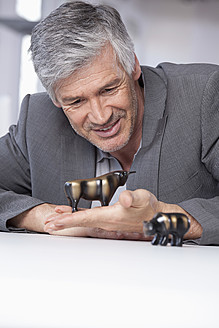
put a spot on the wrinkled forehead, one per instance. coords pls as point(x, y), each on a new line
point(103, 66)
point(105, 59)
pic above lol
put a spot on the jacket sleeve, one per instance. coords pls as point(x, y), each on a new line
point(15, 179)
point(206, 211)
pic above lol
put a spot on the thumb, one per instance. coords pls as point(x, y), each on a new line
point(126, 198)
point(136, 198)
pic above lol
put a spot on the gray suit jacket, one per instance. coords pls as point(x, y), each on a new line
point(178, 161)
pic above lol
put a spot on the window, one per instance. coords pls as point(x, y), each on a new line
point(29, 83)
point(30, 10)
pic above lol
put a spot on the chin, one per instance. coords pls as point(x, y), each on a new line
point(110, 148)
point(107, 145)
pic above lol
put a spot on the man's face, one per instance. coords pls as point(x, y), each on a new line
point(100, 102)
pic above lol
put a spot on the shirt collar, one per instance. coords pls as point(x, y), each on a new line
point(102, 154)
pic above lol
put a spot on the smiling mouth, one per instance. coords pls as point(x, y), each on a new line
point(108, 131)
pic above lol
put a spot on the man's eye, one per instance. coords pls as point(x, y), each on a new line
point(110, 90)
point(76, 102)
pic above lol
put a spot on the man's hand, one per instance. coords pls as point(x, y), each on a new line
point(35, 218)
point(125, 217)
point(88, 231)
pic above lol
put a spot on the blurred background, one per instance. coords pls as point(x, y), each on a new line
point(180, 31)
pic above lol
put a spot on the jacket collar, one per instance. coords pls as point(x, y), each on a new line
point(146, 163)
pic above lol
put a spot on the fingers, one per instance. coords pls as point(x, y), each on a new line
point(68, 219)
point(73, 232)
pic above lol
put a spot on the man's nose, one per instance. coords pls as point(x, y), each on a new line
point(98, 113)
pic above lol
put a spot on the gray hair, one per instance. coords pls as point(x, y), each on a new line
point(72, 35)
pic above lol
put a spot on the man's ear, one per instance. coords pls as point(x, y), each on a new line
point(137, 69)
point(56, 103)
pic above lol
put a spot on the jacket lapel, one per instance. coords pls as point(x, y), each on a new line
point(146, 163)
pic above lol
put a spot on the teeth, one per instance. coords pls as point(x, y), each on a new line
point(105, 129)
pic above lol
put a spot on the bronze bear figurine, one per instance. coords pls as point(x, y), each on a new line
point(101, 188)
point(164, 224)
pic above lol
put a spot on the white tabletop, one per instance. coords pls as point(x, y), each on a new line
point(51, 281)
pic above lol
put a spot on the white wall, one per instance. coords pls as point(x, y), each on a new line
point(10, 43)
point(172, 30)
point(179, 31)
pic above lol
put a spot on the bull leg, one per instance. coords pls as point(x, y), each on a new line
point(173, 240)
point(105, 199)
point(179, 241)
point(105, 202)
point(74, 205)
point(156, 239)
point(176, 240)
point(105, 192)
point(72, 202)
point(164, 240)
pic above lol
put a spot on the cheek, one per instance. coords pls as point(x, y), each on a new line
point(120, 101)
point(129, 98)
point(75, 119)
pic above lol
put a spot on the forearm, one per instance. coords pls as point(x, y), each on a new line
point(195, 230)
point(205, 211)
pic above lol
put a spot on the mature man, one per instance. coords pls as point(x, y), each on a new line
point(106, 112)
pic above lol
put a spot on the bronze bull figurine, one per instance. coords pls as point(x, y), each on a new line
point(164, 224)
point(101, 188)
